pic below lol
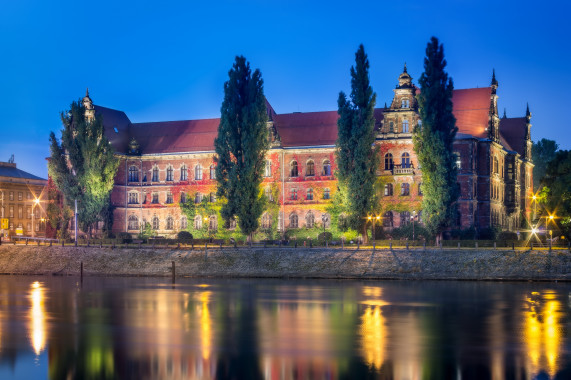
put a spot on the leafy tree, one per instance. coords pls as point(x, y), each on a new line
point(556, 191)
point(542, 152)
point(356, 158)
point(83, 165)
point(241, 146)
point(433, 141)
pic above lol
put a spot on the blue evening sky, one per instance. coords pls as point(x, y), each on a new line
point(168, 60)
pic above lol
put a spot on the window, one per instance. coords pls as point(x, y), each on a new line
point(183, 197)
point(198, 172)
point(133, 198)
point(326, 193)
point(266, 221)
point(420, 188)
point(391, 127)
point(326, 168)
point(29, 212)
point(268, 168)
point(404, 218)
point(170, 172)
point(11, 211)
point(309, 194)
point(20, 212)
point(197, 198)
point(405, 126)
point(212, 172)
point(405, 103)
point(268, 193)
point(309, 220)
point(388, 219)
point(389, 161)
point(11, 195)
point(326, 220)
point(155, 222)
point(310, 168)
point(510, 171)
point(133, 223)
point(20, 195)
point(213, 223)
point(405, 189)
point(155, 198)
point(169, 198)
point(170, 223)
point(458, 160)
point(232, 225)
point(155, 177)
point(293, 195)
point(405, 160)
point(197, 222)
point(133, 174)
point(28, 226)
point(212, 197)
point(388, 190)
point(183, 173)
point(183, 223)
point(293, 221)
point(293, 171)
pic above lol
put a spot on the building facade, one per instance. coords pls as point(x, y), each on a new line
point(164, 164)
point(23, 202)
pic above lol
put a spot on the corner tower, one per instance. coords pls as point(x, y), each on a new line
point(494, 119)
point(402, 115)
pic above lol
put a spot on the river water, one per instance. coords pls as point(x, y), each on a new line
point(144, 328)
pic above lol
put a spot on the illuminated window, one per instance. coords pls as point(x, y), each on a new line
point(212, 172)
point(212, 197)
point(11, 195)
point(197, 222)
point(310, 168)
point(213, 223)
point(388, 190)
point(20, 195)
point(458, 160)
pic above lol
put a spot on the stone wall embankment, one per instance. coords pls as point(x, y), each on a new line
point(469, 264)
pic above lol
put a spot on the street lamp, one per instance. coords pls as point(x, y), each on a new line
point(324, 219)
point(36, 202)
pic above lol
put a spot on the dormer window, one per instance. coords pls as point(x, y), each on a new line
point(405, 103)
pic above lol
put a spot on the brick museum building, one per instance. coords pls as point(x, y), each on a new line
point(169, 162)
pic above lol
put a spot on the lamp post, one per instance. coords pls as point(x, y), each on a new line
point(36, 202)
point(324, 219)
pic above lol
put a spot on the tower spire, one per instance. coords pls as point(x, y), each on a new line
point(505, 116)
point(87, 92)
point(494, 81)
point(527, 113)
point(404, 71)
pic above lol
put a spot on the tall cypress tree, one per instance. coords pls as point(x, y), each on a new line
point(83, 166)
point(356, 158)
point(241, 146)
point(433, 141)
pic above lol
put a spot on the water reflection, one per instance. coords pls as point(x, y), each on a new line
point(133, 328)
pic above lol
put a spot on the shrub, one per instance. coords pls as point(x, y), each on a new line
point(125, 237)
point(325, 236)
point(507, 235)
point(184, 235)
point(489, 233)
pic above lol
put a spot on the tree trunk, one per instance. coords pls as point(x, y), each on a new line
point(364, 234)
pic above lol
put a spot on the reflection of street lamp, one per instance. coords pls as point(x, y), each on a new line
point(36, 202)
point(373, 218)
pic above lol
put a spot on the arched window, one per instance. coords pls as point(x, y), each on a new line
point(405, 160)
point(326, 220)
point(309, 194)
point(388, 219)
point(388, 190)
point(266, 221)
point(155, 177)
point(155, 222)
point(268, 194)
point(212, 197)
point(133, 223)
point(391, 127)
point(183, 223)
point(404, 218)
point(212, 172)
point(326, 168)
point(293, 171)
point(389, 161)
point(183, 173)
point(198, 172)
point(326, 193)
point(405, 189)
point(309, 168)
point(212, 223)
point(309, 220)
point(182, 197)
point(155, 198)
point(268, 168)
point(170, 222)
point(197, 222)
point(133, 174)
point(293, 221)
point(170, 172)
point(405, 126)
point(197, 198)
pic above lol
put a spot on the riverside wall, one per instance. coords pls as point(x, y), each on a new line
point(417, 264)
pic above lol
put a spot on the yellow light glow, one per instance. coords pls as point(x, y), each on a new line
point(373, 335)
point(369, 217)
point(205, 326)
point(534, 197)
point(534, 230)
point(37, 318)
point(37, 201)
point(550, 217)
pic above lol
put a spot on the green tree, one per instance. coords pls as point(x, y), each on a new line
point(542, 152)
point(433, 141)
point(556, 191)
point(356, 157)
point(241, 146)
point(83, 165)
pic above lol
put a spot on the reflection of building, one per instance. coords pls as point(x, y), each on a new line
point(22, 200)
point(165, 163)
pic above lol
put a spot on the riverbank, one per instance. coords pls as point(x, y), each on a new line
point(447, 264)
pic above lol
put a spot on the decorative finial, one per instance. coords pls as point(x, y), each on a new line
point(527, 113)
point(405, 68)
point(385, 105)
point(87, 92)
point(494, 81)
point(505, 116)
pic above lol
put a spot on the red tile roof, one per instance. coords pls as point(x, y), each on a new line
point(512, 131)
point(308, 128)
point(471, 107)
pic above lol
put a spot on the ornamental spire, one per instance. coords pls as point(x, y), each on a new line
point(494, 81)
point(405, 68)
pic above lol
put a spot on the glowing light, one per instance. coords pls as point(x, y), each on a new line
point(37, 201)
point(37, 318)
point(205, 326)
point(534, 230)
point(534, 197)
point(373, 336)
